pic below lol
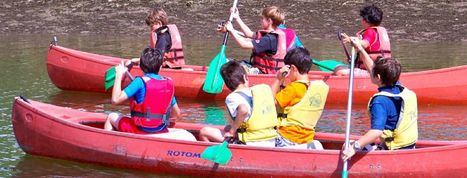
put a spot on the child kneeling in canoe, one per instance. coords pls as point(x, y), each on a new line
point(393, 110)
point(165, 38)
point(152, 101)
point(301, 102)
point(268, 45)
point(252, 110)
point(374, 39)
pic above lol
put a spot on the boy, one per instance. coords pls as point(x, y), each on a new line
point(164, 37)
point(152, 101)
point(253, 117)
point(301, 101)
point(375, 39)
point(268, 45)
point(393, 110)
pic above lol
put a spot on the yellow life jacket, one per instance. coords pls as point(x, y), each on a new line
point(308, 110)
point(406, 132)
point(263, 120)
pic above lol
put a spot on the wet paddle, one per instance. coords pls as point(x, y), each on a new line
point(349, 107)
point(214, 83)
point(218, 153)
point(110, 76)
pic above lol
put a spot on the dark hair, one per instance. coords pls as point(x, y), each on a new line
point(157, 15)
point(232, 73)
point(372, 14)
point(151, 60)
point(300, 58)
point(389, 69)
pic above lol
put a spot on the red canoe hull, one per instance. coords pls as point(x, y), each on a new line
point(47, 130)
point(75, 70)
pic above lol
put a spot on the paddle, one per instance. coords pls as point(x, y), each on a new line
point(339, 36)
point(349, 105)
point(218, 153)
point(327, 65)
point(110, 76)
point(214, 83)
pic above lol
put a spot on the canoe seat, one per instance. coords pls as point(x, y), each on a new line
point(177, 134)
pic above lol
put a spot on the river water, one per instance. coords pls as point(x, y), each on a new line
point(23, 72)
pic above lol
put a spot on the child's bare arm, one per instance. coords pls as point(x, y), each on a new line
point(244, 43)
point(175, 113)
point(366, 58)
point(243, 27)
point(242, 114)
point(118, 96)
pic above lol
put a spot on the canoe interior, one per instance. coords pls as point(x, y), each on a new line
point(327, 144)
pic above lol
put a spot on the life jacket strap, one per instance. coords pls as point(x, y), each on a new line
point(148, 115)
point(269, 67)
point(282, 115)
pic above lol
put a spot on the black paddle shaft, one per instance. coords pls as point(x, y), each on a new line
point(226, 37)
point(339, 36)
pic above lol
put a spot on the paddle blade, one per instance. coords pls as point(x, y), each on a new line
point(214, 83)
point(217, 153)
point(109, 78)
point(328, 65)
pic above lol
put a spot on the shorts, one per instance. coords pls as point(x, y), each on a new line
point(266, 143)
point(283, 142)
point(249, 69)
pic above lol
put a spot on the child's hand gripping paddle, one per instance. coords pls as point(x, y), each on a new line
point(110, 76)
point(214, 83)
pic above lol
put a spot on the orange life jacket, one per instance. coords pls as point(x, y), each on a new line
point(152, 112)
point(271, 63)
point(174, 58)
point(384, 45)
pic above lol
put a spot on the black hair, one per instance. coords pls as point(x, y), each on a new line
point(232, 73)
point(151, 60)
point(389, 70)
point(300, 58)
point(372, 14)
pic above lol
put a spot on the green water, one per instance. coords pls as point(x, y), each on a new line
point(23, 72)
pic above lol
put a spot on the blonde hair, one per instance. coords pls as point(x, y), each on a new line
point(157, 15)
point(275, 14)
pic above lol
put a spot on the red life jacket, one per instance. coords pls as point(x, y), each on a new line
point(384, 45)
point(271, 63)
point(152, 112)
point(174, 58)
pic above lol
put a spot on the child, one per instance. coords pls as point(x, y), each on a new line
point(164, 37)
point(268, 45)
point(393, 110)
point(301, 101)
point(253, 117)
point(152, 101)
point(375, 39)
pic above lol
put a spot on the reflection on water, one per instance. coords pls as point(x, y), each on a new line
point(23, 72)
point(36, 166)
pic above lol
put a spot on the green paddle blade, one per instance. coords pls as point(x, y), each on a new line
point(214, 83)
point(217, 153)
point(328, 65)
point(109, 78)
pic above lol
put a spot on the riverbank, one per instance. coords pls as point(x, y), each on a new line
point(407, 21)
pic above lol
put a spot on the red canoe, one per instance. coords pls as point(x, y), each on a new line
point(76, 70)
point(59, 132)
